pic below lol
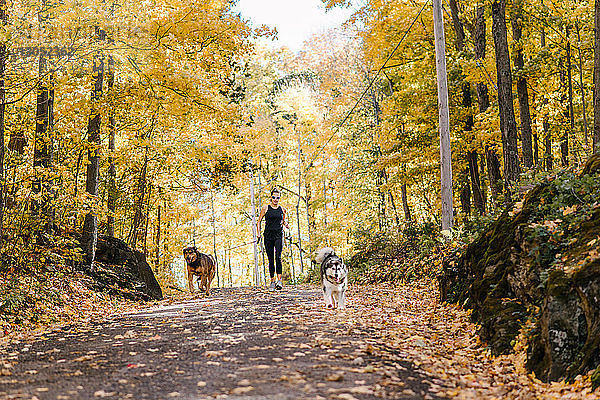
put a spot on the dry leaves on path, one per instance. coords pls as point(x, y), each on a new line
point(412, 325)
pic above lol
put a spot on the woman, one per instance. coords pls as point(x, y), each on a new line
point(275, 219)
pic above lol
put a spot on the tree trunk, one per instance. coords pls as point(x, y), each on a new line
point(478, 200)
point(214, 231)
point(570, 87)
point(147, 219)
point(596, 139)
point(310, 217)
point(526, 132)
point(545, 123)
point(254, 232)
point(138, 214)
point(298, 205)
point(548, 145)
point(483, 97)
point(158, 222)
point(324, 197)
point(112, 171)
point(465, 197)
point(262, 243)
point(393, 202)
point(42, 154)
point(508, 125)
point(493, 168)
point(230, 272)
point(90, 225)
point(536, 149)
point(466, 100)
point(581, 87)
point(3, 57)
point(564, 142)
point(407, 216)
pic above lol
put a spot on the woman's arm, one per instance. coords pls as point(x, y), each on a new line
point(261, 216)
point(284, 219)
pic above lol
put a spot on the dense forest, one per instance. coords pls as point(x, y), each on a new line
point(166, 123)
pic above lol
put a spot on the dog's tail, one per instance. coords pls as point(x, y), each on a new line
point(323, 254)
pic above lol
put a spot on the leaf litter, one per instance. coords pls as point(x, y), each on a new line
point(394, 341)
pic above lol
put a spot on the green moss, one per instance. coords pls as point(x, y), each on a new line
point(559, 284)
point(596, 378)
point(592, 166)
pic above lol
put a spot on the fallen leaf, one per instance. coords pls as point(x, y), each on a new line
point(242, 390)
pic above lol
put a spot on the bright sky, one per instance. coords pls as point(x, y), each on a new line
point(295, 20)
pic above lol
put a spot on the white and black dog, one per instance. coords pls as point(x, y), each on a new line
point(334, 277)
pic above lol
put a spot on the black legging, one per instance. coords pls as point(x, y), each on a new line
point(273, 248)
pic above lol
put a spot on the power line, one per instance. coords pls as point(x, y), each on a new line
point(368, 87)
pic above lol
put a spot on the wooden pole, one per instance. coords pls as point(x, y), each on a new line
point(444, 116)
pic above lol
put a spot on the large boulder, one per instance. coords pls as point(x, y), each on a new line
point(538, 261)
point(123, 271)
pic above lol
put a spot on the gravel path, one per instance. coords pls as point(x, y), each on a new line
point(239, 343)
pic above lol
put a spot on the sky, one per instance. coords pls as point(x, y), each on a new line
point(295, 20)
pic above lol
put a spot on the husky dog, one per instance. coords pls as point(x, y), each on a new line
point(333, 275)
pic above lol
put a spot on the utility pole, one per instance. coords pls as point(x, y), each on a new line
point(444, 116)
point(254, 233)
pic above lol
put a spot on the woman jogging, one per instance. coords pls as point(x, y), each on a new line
point(275, 219)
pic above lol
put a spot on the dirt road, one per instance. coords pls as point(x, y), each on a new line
point(238, 343)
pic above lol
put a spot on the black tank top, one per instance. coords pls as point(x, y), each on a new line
point(273, 219)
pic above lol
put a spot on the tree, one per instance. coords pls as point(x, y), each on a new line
point(596, 139)
point(522, 92)
point(90, 225)
point(3, 57)
point(508, 125)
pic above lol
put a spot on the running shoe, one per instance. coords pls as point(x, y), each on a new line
point(272, 286)
point(278, 285)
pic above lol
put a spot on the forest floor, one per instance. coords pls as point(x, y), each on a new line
point(391, 342)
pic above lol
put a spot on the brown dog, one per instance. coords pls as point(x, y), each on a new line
point(201, 265)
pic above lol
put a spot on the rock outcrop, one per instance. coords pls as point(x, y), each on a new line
point(538, 261)
point(123, 271)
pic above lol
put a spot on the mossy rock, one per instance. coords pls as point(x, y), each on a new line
point(595, 378)
point(592, 165)
point(512, 272)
